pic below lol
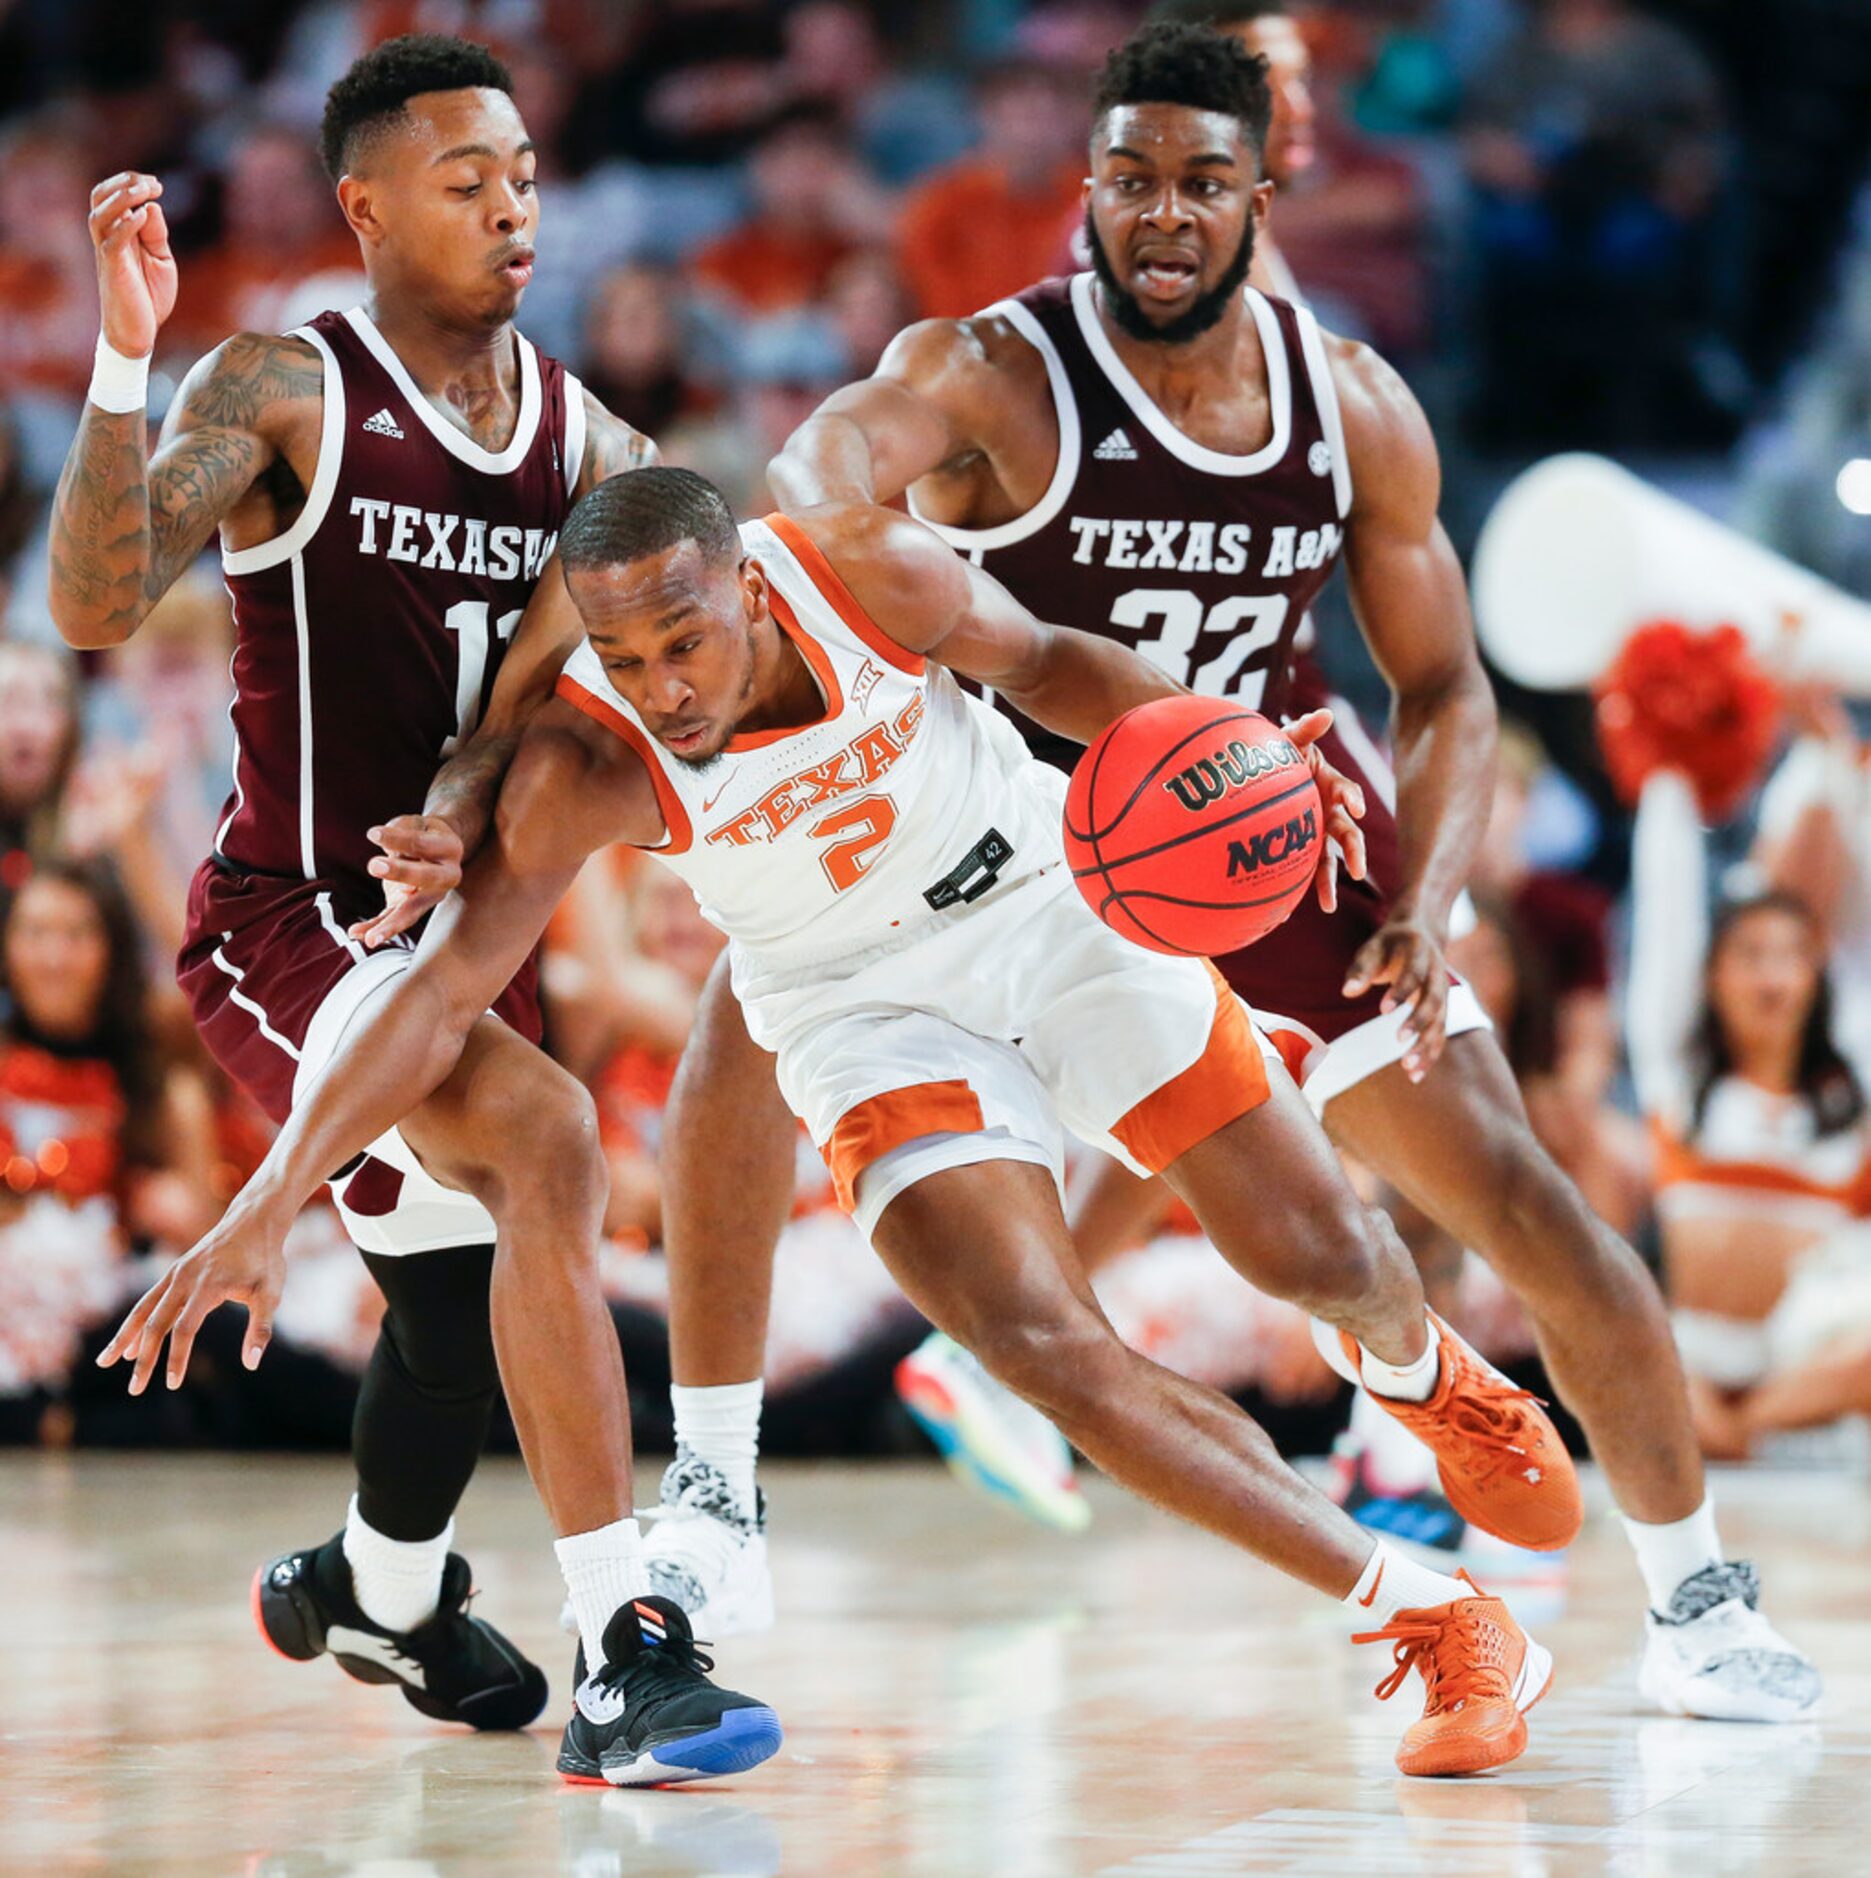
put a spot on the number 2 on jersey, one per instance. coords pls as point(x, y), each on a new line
point(865, 826)
point(467, 620)
point(1247, 623)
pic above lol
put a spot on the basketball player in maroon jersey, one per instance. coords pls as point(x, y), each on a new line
point(1154, 454)
point(388, 484)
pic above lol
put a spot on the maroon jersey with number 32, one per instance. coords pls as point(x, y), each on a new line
point(1205, 563)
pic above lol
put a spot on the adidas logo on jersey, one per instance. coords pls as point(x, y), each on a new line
point(383, 425)
point(1116, 448)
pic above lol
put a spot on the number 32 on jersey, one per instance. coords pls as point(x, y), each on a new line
point(1236, 628)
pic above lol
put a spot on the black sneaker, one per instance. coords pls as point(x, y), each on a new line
point(453, 1667)
point(650, 1717)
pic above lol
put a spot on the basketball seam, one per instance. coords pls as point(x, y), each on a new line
point(1207, 828)
point(1156, 769)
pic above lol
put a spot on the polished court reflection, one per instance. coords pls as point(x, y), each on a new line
point(961, 1695)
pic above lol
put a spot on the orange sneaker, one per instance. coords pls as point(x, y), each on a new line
point(1503, 1465)
point(1482, 1673)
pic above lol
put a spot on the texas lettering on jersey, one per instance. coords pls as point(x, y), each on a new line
point(426, 539)
point(1174, 547)
point(868, 756)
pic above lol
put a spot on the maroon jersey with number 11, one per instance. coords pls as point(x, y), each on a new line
point(370, 634)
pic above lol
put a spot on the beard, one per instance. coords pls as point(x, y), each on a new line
point(1208, 307)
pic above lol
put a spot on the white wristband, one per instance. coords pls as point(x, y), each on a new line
point(118, 384)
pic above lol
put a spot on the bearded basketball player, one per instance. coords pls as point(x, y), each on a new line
point(1154, 453)
point(388, 484)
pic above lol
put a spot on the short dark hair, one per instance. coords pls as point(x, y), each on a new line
point(646, 511)
point(380, 84)
point(1219, 14)
point(1175, 63)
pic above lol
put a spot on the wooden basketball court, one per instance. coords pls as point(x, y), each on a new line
point(962, 1695)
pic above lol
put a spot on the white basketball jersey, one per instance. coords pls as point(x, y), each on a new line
point(905, 799)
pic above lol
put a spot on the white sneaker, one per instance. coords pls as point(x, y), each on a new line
point(706, 1554)
point(989, 1437)
point(1714, 1656)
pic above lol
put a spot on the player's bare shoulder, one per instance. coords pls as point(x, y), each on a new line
point(1391, 448)
point(611, 447)
point(981, 370)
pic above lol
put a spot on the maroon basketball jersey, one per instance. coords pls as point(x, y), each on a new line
point(1203, 562)
point(371, 631)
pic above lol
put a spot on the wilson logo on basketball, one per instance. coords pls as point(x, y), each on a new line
point(1272, 845)
point(1208, 777)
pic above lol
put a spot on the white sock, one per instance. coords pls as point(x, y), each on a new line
point(1407, 1382)
point(1669, 1554)
point(1330, 1345)
point(1392, 1581)
point(398, 1582)
point(603, 1569)
point(722, 1426)
point(1395, 1461)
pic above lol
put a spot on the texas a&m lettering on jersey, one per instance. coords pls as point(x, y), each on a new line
point(371, 631)
point(1203, 562)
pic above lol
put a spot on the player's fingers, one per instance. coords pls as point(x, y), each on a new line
point(1308, 729)
point(435, 877)
point(182, 1337)
point(1350, 837)
point(130, 1330)
point(259, 1325)
point(154, 1331)
point(155, 230)
point(1327, 878)
point(417, 836)
point(390, 923)
point(1371, 965)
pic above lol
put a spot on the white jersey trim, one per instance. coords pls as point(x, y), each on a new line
point(1325, 397)
point(451, 437)
point(240, 794)
point(302, 627)
point(574, 432)
point(1064, 470)
point(283, 547)
point(251, 1006)
point(1176, 442)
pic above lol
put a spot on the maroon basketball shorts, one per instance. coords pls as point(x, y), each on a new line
point(275, 987)
point(1294, 977)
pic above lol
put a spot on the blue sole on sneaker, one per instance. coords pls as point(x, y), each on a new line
point(743, 1738)
point(963, 1459)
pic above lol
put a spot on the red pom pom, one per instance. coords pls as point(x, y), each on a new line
point(1690, 701)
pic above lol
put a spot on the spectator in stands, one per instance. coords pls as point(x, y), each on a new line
point(813, 204)
point(988, 225)
point(1558, 918)
point(281, 235)
point(101, 1144)
point(1764, 1146)
point(1592, 141)
point(866, 304)
point(48, 290)
point(39, 736)
point(635, 358)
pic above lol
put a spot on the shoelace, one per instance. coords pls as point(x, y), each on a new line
point(677, 1656)
point(1449, 1653)
point(1493, 1421)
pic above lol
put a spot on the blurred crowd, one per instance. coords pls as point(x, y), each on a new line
point(1548, 212)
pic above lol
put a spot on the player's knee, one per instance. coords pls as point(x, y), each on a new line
point(1062, 1359)
point(1351, 1259)
point(540, 1156)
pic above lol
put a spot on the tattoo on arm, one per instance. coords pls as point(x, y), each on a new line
point(123, 527)
point(467, 785)
point(611, 447)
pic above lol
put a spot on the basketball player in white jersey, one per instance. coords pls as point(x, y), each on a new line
point(387, 484)
point(1091, 443)
point(770, 711)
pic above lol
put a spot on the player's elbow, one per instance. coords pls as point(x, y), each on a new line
point(88, 628)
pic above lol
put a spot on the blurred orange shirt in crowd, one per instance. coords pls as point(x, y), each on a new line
point(965, 239)
point(233, 289)
point(768, 270)
point(48, 325)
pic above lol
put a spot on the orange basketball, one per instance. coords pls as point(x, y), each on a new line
point(1193, 826)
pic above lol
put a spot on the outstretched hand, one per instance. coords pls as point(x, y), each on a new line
point(243, 1261)
point(1342, 803)
point(420, 866)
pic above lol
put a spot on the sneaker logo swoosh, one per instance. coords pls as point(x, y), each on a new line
point(1370, 1597)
